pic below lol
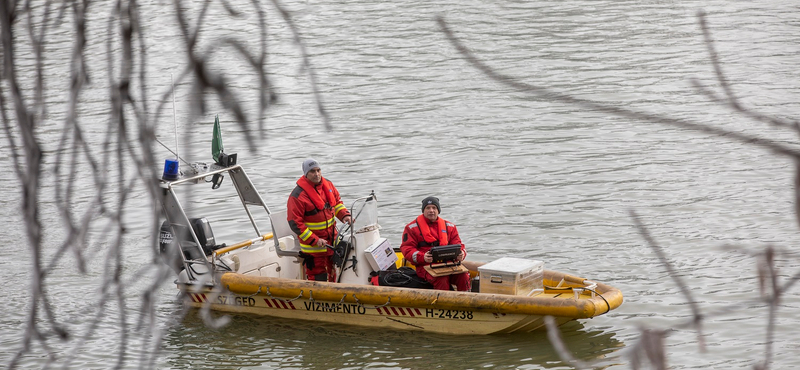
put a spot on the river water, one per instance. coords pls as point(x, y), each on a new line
point(520, 175)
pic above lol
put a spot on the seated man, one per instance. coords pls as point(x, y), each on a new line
point(425, 232)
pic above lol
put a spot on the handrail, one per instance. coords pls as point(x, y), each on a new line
point(217, 169)
point(242, 244)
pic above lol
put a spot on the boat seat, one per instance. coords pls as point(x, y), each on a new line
point(288, 243)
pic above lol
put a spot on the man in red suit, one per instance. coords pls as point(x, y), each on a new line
point(425, 232)
point(311, 209)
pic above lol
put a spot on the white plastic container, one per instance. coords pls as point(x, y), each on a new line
point(380, 255)
point(513, 276)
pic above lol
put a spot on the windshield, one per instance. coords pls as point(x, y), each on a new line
point(365, 214)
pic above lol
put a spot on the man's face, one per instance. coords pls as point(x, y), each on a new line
point(431, 212)
point(314, 175)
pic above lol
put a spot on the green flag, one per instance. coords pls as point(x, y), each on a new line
point(216, 141)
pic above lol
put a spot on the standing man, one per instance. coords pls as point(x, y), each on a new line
point(425, 232)
point(311, 209)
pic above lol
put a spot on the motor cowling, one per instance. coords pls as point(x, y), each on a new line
point(202, 229)
point(168, 245)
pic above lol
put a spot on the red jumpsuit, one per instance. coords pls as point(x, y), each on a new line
point(414, 248)
point(311, 217)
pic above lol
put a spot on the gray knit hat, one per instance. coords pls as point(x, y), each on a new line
point(431, 200)
point(308, 165)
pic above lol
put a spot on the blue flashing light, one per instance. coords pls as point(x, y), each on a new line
point(171, 170)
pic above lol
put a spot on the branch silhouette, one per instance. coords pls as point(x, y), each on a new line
point(94, 178)
point(650, 346)
point(550, 94)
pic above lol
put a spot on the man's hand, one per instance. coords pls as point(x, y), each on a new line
point(321, 242)
point(347, 219)
point(461, 256)
point(428, 257)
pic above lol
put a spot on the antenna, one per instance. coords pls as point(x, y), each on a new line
point(174, 120)
point(172, 168)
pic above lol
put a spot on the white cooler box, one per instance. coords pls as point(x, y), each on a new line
point(380, 255)
point(513, 276)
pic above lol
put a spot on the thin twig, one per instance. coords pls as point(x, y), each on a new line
point(554, 335)
point(696, 315)
point(306, 63)
point(553, 95)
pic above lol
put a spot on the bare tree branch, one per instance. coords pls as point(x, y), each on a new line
point(127, 141)
point(651, 346)
point(306, 63)
point(731, 100)
point(697, 316)
point(555, 338)
point(553, 95)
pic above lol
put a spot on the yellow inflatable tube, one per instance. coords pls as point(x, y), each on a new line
point(560, 303)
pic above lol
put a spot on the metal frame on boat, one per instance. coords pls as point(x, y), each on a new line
point(263, 274)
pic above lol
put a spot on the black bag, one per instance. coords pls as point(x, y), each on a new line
point(403, 277)
point(339, 253)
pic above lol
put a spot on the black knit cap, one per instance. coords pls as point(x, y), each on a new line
point(431, 200)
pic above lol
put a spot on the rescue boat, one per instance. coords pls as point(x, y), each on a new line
point(262, 272)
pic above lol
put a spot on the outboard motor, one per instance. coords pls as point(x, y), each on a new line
point(169, 247)
point(204, 234)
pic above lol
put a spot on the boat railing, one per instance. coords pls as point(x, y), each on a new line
point(586, 286)
point(175, 214)
point(535, 292)
point(240, 245)
point(591, 287)
point(202, 171)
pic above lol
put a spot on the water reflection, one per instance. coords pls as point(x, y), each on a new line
point(264, 342)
